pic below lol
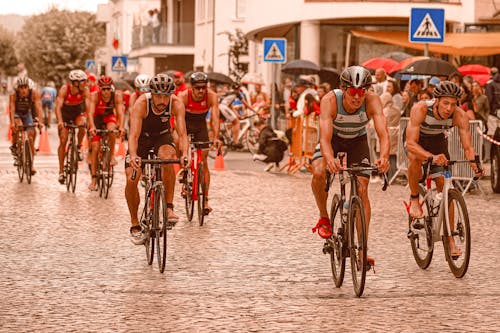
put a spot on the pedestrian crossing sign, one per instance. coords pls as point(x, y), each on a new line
point(274, 50)
point(427, 25)
point(119, 63)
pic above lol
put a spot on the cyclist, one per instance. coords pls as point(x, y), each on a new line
point(141, 83)
point(49, 94)
point(150, 128)
point(23, 103)
point(72, 102)
point(106, 112)
point(198, 100)
point(426, 137)
point(345, 112)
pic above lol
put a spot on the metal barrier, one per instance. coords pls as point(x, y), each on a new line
point(460, 172)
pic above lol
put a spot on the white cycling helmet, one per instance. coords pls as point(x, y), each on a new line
point(23, 81)
point(77, 75)
point(141, 82)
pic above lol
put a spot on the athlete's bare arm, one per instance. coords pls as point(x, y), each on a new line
point(328, 112)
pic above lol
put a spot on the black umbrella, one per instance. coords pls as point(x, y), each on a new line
point(431, 66)
point(299, 66)
point(122, 85)
point(398, 56)
point(219, 78)
point(330, 75)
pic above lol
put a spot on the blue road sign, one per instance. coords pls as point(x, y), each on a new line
point(274, 50)
point(90, 66)
point(427, 25)
point(119, 63)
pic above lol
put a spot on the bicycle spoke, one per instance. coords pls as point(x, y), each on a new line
point(358, 248)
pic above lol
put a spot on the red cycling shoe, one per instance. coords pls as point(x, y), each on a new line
point(323, 227)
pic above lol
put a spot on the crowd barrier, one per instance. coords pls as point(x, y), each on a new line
point(463, 173)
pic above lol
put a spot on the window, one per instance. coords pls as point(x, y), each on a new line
point(240, 9)
point(201, 11)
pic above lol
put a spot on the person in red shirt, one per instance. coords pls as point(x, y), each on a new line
point(91, 83)
point(180, 84)
point(106, 112)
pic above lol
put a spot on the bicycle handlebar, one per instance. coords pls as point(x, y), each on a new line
point(71, 125)
point(428, 164)
point(106, 131)
point(356, 169)
point(157, 161)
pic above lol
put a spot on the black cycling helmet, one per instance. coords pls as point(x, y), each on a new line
point(356, 76)
point(162, 84)
point(447, 89)
point(198, 77)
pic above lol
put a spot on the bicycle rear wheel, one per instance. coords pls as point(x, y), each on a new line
point(358, 250)
point(187, 192)
point(20, 161)
point(160, 221)
point(147, 222)
point(27, 161)
point(252, 140)
point(420, 235)
point(201, 194)
point(337, 259)
point(106, 173)
point(460, 231)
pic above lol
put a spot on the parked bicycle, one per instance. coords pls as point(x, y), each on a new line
point(448, 223)
point(71, 157)
point(348, 223)
point(23, 155)
point(194, 183)
point(154, 218)
point(105, 169)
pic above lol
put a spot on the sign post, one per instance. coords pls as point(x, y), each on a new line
point(427, 25)
point(274, 53)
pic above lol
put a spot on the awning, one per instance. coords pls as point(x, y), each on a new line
point(464, 44)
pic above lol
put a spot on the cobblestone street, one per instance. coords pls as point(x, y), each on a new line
point(67, 264)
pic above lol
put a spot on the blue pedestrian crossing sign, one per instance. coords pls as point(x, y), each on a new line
point(119, 63)
point(90, 66)
point(274, 50)
point(427, 25)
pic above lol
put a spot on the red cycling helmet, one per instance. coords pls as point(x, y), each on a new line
point(105, 81)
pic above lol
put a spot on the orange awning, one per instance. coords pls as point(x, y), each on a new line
point(463, 44)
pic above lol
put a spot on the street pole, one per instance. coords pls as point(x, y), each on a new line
point(426, 49)
point(273, 93)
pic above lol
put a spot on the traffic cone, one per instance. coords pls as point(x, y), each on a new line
point(9, 134)
point(121, 151)
point(219, 161)
point(44, 144)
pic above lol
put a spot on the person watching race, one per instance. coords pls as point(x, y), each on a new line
point(92, 83)
point(425, 138)
point(345, 112)
point(180, 84)
point(105, 112)
point(49, 94)
point(150, 129)
point(72, 102)
point(23, 103)
point(198, 100)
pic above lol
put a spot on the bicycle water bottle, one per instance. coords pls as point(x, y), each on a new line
point(346, 205)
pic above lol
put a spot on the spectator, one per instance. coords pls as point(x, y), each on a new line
point(271, 148)
point(155, 22)
point(423, 95)
point(259, 92)
point(480, 104)
point(392, 104)
point(414, 86)
point(380, 85)
point(322, 90)
point(180, 82)
point(432, 84)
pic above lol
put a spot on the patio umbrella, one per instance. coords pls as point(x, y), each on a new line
point(121, 84)
point(473, 69)
point(330, 75)
point(431, 66)
point(397, 56)
point(376, 63)
point(252, 78)
point(299, 67)
point(219, 78)
point(403, 63)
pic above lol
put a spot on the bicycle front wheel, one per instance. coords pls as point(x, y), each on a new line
point(20, 161)
point(420, 235)
point(28, 161)
point(358, 250)
point(187, 192)
point(106, 173)
point(201, 195)
point(147, 222)
point(458, 233)
point(252, 140)
point(160, 221)
point(337, 259)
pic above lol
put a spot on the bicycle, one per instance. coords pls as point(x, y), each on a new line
point(194, 184)
point(440, 222)
point(71, 157)
point(348, 223)
point(154, 218)
point(105, 169)
point(23, 155)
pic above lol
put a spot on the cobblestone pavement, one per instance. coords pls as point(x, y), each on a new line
point(67, 264)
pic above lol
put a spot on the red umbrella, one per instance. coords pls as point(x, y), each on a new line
point(376, 63)
point(481, 78)
point(473, 69)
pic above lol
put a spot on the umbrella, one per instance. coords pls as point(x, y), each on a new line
point(299, 66)
point(397, 56)
point(252, 78)
point(431, 66)
point(122, 85)
point(473, 69)
point(330, 75)
point(481, 78)
point(376, 63)
point(403, 63)
point(219, 78)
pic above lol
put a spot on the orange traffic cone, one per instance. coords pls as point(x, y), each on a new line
point(121, 151)
point(44, 144)
point(9, 134)
point(219, 161)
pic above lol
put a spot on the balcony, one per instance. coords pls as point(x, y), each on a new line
point(145, 36)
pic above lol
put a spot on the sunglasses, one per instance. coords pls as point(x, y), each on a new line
point(199, 87)
point(356, 91)
point(105, 88)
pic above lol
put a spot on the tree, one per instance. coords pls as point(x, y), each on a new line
point(8, 59)
point(53, 43)
point(238, 46)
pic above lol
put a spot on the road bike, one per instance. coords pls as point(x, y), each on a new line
point(105, 169)
point(441, 222)
point(194, 188)
point(23, 154)
point(154, 218)
point(71, 157)
point(348, 223)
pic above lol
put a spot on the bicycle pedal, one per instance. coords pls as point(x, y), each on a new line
point(327, 249)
